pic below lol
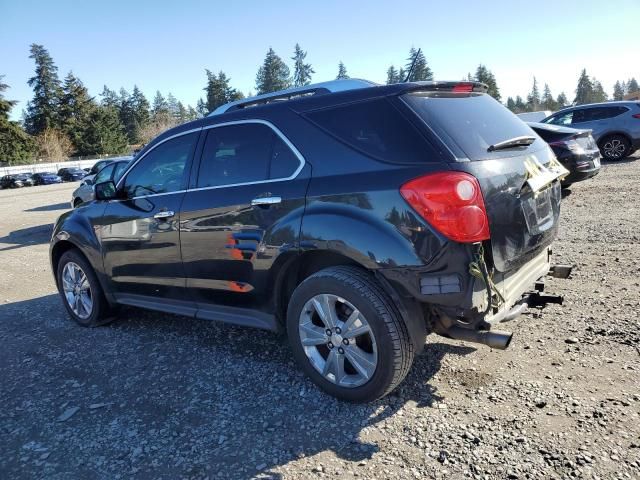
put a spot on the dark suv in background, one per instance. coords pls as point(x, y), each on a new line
point(359, 218)
point(614, 125)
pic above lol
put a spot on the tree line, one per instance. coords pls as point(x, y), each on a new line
point(63, 119)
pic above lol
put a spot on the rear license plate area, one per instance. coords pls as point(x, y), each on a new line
point(540, 210)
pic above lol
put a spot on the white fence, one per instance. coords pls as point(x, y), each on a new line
point(52, 167)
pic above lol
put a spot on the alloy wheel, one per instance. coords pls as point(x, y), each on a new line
point(338, 340)
point(77, 290)
point(614, 149)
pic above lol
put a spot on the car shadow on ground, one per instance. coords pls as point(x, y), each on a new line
point(178, 396)
point(631, 159)
point(50, 208)
point(25, 237)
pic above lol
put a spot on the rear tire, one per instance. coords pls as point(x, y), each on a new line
point(80, 290)
point(615, 147)
point(77, 202)
point(374, 352)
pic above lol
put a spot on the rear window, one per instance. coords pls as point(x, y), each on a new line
point(377, 129)
point(473, 121)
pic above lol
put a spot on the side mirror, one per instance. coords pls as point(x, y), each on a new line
point(105, 190)
point(88, 181)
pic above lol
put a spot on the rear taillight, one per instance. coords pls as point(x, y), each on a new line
point(572, 144)
point(637, 115)
point(452, 203)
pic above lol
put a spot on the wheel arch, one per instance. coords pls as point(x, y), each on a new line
point(299, 267)
point(606, 135)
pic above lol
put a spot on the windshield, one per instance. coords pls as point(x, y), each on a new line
point(473, 121)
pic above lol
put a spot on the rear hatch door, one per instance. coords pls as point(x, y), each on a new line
point(519, 179)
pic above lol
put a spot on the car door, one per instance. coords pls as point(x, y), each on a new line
point(244, 212)
point(140, 234)
point(597, 119)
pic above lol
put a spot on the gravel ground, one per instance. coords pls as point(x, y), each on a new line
point(158, 396)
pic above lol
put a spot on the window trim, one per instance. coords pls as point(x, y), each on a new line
point(137, 160)
point(275, 129)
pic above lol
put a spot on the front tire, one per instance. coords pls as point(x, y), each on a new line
point(615, 147)
point(80, 290)
point(347, 334)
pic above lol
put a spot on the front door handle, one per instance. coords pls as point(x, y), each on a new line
point(164, 214)
point(265, 201)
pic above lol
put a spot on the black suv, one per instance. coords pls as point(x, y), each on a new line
point(358, 218)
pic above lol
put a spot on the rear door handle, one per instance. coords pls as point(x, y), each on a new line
point(164, 214)
point(262, 201)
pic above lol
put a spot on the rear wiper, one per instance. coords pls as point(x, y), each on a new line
point(523, 141)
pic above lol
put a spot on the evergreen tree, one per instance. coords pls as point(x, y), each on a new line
point(219, 91)
point(301, 71)
point(42, 110)
point(421, 70)
point(342, 71)
point(520, 106)
point(273, 75)
point(182, 113)
point(16, 146)
point(392, 75)
point(105, 133)
point(160, 106)
point(192, 114)
point(598, 94)
point(533, 99)
point(511, 104)
point(548, 103)
point(484, 75)
point(201, 108)
point(618, 90)
point(141, 116)
point(126, 115)
point(562, 101)
point(584, 90)
point(632, 86)
point(172, 104)
point(109, 98)
point(75, 109)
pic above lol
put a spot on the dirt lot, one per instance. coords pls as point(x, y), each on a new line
point(158, 396)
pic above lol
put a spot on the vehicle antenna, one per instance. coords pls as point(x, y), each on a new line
point(415, 57)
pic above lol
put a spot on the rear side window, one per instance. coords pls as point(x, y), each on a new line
point(473, 121)
point(244, 153)
point(596, 113)
point(376, 128)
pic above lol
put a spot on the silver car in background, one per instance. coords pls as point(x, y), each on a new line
point(614, 125)
point(112, 171)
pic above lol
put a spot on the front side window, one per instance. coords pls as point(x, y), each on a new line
point(163, 169)
point(104, 174)
point(119, 170)
point(562, 119)
point(244, 153)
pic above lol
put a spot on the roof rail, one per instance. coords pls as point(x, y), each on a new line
point(296, 92)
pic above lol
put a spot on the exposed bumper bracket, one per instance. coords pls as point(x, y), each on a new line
point(560, 271)
point(538, 299)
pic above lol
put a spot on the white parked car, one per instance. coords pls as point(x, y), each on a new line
point(534, 116)
point(112, 171)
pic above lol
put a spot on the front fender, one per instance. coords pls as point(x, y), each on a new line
point(78, 229)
